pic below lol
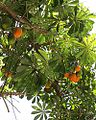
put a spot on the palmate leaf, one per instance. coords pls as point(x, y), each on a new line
point(43, 110)
point(86, 50)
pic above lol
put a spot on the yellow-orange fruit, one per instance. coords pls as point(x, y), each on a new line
point(77, 79)
point(66, 75)
point(74, 78)
point(17, 32)
point(78, 68)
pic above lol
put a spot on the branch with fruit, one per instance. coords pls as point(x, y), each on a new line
point(21, 19)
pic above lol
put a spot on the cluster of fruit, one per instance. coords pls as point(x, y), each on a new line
point(73, 75)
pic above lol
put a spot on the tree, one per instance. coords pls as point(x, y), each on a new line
point(48, 55)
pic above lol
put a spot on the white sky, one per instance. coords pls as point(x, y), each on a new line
point(24, 106)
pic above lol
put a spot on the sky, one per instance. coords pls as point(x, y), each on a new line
point(23, 105)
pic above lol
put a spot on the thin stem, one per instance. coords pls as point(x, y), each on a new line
point(13, 105)
point(13, 109)
point(5, 104)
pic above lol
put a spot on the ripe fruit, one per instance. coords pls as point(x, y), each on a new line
point(17, 32)
point(78, 68)
point(66, 75)
point(74, 78)
point(77, 79)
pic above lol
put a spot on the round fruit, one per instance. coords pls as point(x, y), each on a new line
point(77, 79)
point(66, 75)
point(77, 68)
point(8, 74)
point(17, 32)
point(74, 78)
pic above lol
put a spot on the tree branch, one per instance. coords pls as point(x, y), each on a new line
point(11, 93)
point(21, 19)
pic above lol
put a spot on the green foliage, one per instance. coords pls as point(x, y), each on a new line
point(55, 40)
point(41, 110)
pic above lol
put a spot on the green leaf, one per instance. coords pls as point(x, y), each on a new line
point(78, 44)
point(44, 105)
point(37, 117)
point(48, 111)
point(1, 74)
point(41, 118)
point(41, 39)
point(33, 100)
point(39, 104)
point(45, 116)
point(36, 108)
point(75, 2)
point(94, 92)
point(35, 112)
point(42, 56)
point(78, 55)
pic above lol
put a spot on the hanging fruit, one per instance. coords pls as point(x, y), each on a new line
point(17, 32)
point(78, 68)
point(74, 78)
point(66, 75)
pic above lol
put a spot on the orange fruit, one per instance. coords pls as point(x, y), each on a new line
point(78, 68)
point(66, 75)
point(17, 32)
point(77, 79)
point(74, 78)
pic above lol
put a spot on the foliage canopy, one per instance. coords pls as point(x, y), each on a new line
point(55, 40)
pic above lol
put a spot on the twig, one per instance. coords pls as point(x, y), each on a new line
point(13, 105)
point(21, 19)
point(5, 104)
point(11, 93)
point(15, 99)
point(13, 109)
